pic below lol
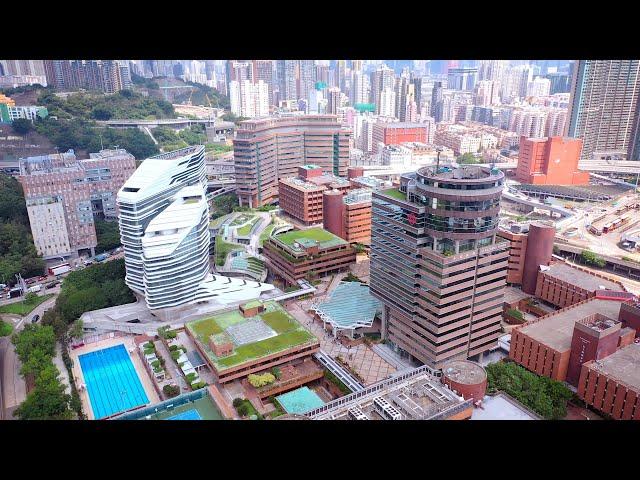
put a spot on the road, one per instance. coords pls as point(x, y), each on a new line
point(12, 385)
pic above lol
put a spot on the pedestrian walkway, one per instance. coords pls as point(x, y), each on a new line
point(392, 357)
point(369, 364)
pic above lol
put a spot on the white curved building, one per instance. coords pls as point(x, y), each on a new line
point(164, 227)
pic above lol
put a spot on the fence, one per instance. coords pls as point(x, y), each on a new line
point(166, 405)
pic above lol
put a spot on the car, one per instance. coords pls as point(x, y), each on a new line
point(35, 318)
point(51, 285)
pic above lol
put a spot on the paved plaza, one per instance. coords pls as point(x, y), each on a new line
point(365, 361)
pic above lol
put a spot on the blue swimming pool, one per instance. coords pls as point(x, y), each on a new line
point(188, 415)
point(112, 382)
point(300, 400)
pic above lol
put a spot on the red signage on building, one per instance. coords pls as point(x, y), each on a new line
point(412, 218)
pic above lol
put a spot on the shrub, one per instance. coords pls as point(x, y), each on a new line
point(155, 363)
point(175, 355)
point(190, 377)
point(261, 380)
point(149, 345)
point(237, 402)
point(173, 348)
point(515, 313)
point(276, 372)
point(198, 385)
point(171, 390)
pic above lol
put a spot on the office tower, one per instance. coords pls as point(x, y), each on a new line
point(263, 70)
point(64, 195)
point(560, 82)
point(381, 79)
point(461, 78)
point(603, 106)
point(550, 161)
point(437, 102)
point(164, 227)
point(286, 73)
point(270, 149)
point(440, 274)
point(539, 87)
point(387, 103)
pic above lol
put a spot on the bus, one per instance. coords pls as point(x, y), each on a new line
point(60, 269)
point(594, 230)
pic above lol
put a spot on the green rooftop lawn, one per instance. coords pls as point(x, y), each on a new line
point(24, 308)
point(265, 234)
point(244, 231)
point(223, 248)
point(265, 347)
point(290, 334)
point(317, 234)
point(240, 219)
point(395, 193)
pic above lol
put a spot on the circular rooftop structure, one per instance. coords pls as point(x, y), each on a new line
point(465, 377)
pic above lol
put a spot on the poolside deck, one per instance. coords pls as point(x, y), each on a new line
point(147, 383)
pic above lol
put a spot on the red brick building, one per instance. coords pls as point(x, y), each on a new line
point(550, 161)
point(612, 385)
point(561, 284)
point(300, 254)
point(349, 216)
point(301, 197)
point(395, 133)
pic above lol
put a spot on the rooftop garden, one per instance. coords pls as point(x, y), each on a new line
point(289, 334)
point(223, 248)
point(317, 234)
point(395, 193)
point(246, 230)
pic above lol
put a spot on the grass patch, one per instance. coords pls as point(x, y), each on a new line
point(279, 321)
point(246, 230)
point(265, 234)
point(240, 219)
point(25, 307)
point(265, 347)
point(5, 329)
point(317, 234)
point(223, 248)
point(205, 328)
point(394, 193)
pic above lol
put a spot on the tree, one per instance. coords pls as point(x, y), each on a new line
point(77, 329)
point(591, 258)
point(48, 400)
point(467, 158)
point(22, 126)
point(108, 234)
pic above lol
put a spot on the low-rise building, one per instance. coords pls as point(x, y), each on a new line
point(297, 254)
point(301, 196)
point(562, 285)
point(237, 343)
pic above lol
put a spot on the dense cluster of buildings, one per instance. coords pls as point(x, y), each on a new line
point(107, 76)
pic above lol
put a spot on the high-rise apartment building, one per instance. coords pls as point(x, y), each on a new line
point(437, 101)
point(381, 79)
point(271, 149)
point(387, 103)
point(603, 106)
point(249, 99)
point(263, 70)
point(101, 75)
point(64, 195)
point(437, 265)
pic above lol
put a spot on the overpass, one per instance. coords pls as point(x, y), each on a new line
point(565, 212)
point(610, 166)
point(337, 369)
point(390, 170)
point(220, 126)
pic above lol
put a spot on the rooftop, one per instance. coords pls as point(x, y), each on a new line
point(308, 238)
point(465, 172)
point(502, 407)
point(513, 295)
point(464, 372)
point(269, 332)
point(581, 278)
point(350, 305)
point(394, 193)
point(556, 329)
point(622, 365)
